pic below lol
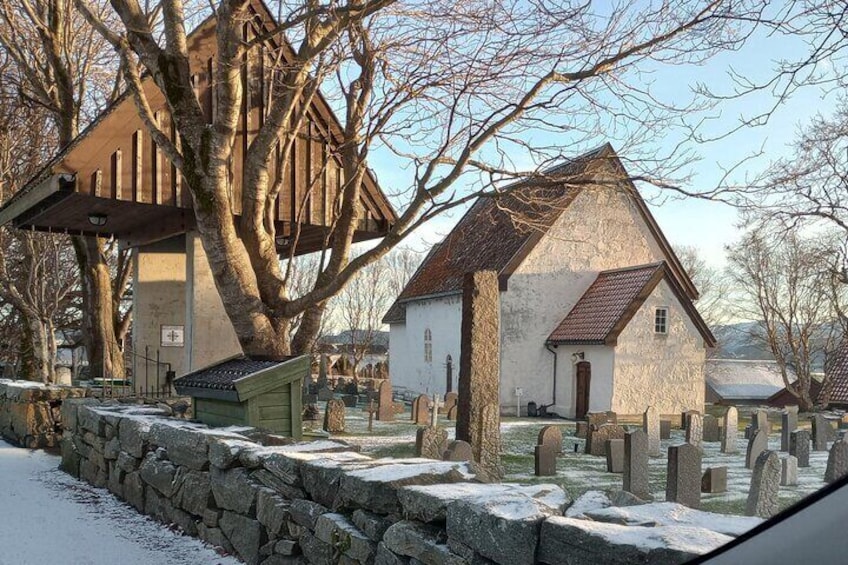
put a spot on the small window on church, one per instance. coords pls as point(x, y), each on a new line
point(661, 321)
point(428, 346)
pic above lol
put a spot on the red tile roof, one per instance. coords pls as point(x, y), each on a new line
point(606, 303)
point(497, 233)
point(838, 374)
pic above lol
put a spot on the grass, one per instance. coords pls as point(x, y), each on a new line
point(578, 472)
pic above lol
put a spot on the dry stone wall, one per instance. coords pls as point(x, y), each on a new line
point(30, 412)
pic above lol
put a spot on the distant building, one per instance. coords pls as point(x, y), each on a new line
point(742, 381)
point(596, 310)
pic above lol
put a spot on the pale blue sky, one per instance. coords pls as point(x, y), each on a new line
point(708, 226)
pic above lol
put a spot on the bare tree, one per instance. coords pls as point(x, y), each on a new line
point(63, 66)
point(713, 286)
point(785, 284)
point(450, 88)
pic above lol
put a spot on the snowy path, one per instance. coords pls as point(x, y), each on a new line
point(46, 517)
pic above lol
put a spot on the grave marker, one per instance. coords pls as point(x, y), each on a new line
point(788, 424)
point(334, 416)
point(837, 462)
point(711, 429)
point(551, 436)
point(545, 460)
point(714, 480)
point(756, 445)
point(451, 399)
point(683, 476)
point(385, 403)
point(458, 450)
point(615, 455)
point(799, 446)
point(695, 429)
point(431, 442)
point(820, 432)
point(730, 430)
point(596, 439)
point(665, 429)
point(421, 409)
point(636, 447)
point(651, 427)
point(789, 471)
point(765, 485)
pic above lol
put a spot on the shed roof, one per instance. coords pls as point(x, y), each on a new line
point(838, 374)
point(742, 379)
point(613, 299)
point(237, 379)
point(497, 233)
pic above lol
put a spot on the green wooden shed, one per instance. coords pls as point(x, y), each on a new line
point(249, 391)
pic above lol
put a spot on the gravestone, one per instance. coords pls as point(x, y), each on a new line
point(789, 471)
point(683, 475)
point(582, 430)
point(685, 416)
point(452, 412)
point(478, 416)
point(759, 421)
point(788, 424)
point(421, 410)
point(749, 431)
point(598, 419)
point(309, 399)
point(636, 448)
point(820, 432)
point(711, 429)
point(322, 371)
point(385, 403)
point(614, 449)
point(451, 399)
point(730, 430)
point(551, 436)
point(458, 450)
point(325, 394)
point(651, 427)
point(799, 446)
point(334, 416)
point(837, 462)
point(694, 429)
point(431, 442)
point(765, 485)
point(665, 429)
point(756, 445)
point(545, 460)
point(596, 439)
point(350, 400)
point(714, 480)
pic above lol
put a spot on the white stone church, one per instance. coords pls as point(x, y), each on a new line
point(597, 312)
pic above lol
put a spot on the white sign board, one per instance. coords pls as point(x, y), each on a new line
point(172, 336)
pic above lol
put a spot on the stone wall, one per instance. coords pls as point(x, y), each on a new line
point(29, 412)
point(319, 502)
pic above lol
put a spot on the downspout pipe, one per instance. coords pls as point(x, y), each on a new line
point(554, 353)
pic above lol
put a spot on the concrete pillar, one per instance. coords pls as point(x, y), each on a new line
point(209, 334)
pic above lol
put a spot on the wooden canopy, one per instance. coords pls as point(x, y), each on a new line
point(112, 180)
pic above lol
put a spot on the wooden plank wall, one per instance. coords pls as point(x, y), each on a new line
point(120, 160)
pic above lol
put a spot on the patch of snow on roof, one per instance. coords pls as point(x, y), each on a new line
point(737, 378)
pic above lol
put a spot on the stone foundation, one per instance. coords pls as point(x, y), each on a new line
point(30, 412)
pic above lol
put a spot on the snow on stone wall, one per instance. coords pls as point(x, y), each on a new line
point(664, 371)
point(29, 412)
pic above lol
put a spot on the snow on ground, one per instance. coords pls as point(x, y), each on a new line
point(47, 516)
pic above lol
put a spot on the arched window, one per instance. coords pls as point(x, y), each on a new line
point(428, 346)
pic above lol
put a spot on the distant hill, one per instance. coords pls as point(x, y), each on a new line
point(735, 341)
point(381, 338)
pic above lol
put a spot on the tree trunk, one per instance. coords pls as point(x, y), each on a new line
point(39, 362)
point(105, 356)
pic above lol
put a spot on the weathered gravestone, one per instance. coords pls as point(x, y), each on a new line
point(322, 371)
point(350, 400)
point(820, 432)
point(451, 399)
point(788, 424)
point(789, 471)
point(334, 416)
point(765, 485)
point(598, 419)
point(714, 480)
point(421, 410)
point(636, 447)
point(759, 421)
point(685, 416)
point(545, 460)
point(799, 446)
point(582, 430)
point(552, 437)
point(458, 450)
point(756, 445)
point(385, 403)
point(478, 417)
point(431, 442)
point(615, 455)
point(711, 429)
point(683, 475)
point(596, 439)
point(837, 462)
point(694, 429)
point(665, 429)
point(651, 427)
point(452, 412)
point(730, 431)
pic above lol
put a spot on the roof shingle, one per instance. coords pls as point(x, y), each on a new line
point(606, 303)
point(839, 377)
